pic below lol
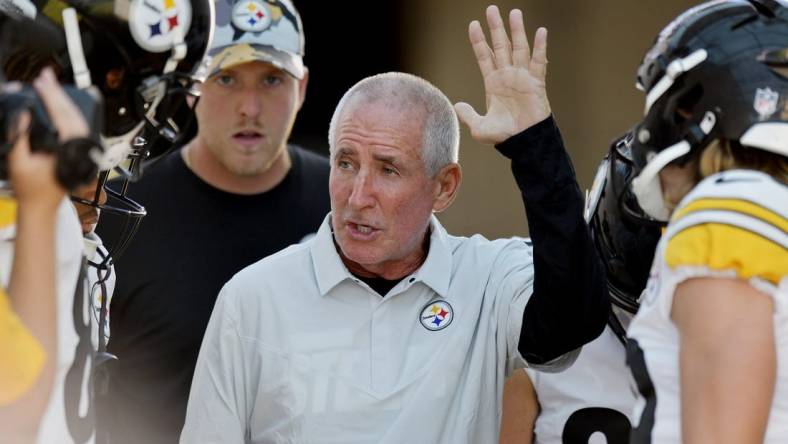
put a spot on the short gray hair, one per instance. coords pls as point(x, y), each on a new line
point(403, 91)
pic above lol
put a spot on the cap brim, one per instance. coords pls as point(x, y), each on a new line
point(233, 55)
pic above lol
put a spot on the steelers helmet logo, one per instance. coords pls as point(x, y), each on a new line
point(152, 22)
point(251, 16)
point(436, 315)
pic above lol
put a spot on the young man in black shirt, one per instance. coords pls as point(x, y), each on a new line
point(233, 195)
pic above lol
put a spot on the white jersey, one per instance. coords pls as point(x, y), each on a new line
point(66, 419)
point(590, 402)
point(732, 224)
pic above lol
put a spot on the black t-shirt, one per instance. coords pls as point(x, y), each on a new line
point(193, 240)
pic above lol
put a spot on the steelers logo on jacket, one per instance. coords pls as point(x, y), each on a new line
point(436, 315)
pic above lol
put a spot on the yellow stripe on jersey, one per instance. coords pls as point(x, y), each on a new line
point(736, 205)
point(21, 356)
point(727, 247)
point(7, 212)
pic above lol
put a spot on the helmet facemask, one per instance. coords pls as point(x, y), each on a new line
point(624, 237)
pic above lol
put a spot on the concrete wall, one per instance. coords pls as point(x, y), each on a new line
point(594, 48)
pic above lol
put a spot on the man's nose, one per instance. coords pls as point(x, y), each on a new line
point(362, 195)
point(250, 104)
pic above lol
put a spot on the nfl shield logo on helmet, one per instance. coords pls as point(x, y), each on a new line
point(765, 103)
point(436, 315)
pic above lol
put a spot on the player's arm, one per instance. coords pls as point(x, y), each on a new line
point(520, 409)
point(32, 285)
point(721, 247)
point(32, 323)
point(727, 360)
point(569, 304)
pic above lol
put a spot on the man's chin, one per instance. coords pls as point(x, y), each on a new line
point(359, 256)
point(245, 169)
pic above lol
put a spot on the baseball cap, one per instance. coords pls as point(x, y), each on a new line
point(256, 30)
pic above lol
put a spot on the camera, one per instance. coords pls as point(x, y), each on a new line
point(75, 164)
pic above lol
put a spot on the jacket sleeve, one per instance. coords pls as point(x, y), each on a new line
point(216, 412)
point(570, 303)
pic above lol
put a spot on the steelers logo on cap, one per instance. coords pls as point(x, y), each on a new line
point(436, 315)
point(251, 16)
point(152, 22)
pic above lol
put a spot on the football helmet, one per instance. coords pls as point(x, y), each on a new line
point(140, 54)
point(625, 245)
point(711, 74)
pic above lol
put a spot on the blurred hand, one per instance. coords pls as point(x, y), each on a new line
point(514, 79)
point(32, 174)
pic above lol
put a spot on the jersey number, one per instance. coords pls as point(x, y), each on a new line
point(585, 422)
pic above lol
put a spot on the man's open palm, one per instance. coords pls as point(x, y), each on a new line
point(514, 79)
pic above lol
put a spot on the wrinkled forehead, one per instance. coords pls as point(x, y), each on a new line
point(374, 126)
point(384, 110)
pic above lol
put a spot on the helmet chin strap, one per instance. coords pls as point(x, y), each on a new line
point(116, 149)
point(107, 158)
point(646, 186)
point(154, 88)
point(75, 52)
point(673, 71)
point(179, 50)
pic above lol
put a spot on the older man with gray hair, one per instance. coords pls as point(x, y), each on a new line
point(384, 328)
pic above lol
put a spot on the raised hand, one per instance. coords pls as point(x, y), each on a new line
point(32, 173)
point(514, 79)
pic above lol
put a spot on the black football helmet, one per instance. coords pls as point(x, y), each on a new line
point(142, 55)
point(625, 245)
point(711, 74)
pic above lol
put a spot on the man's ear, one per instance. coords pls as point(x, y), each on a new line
point(448, 182)
point(302, 87)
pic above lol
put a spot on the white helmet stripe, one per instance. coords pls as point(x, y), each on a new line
point(768, 136)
